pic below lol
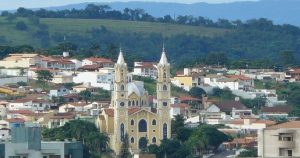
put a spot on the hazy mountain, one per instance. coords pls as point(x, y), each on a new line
point(280, 11)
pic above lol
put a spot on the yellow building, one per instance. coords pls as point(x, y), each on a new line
point(21, 60)
point(137, 121)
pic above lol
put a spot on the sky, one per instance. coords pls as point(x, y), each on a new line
point(13, 4)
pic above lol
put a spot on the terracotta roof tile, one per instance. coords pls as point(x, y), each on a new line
point(277, 109)
point(227, 106)
point(291, 124)
point(22, 112)
point(100, 60)
point(15, 120)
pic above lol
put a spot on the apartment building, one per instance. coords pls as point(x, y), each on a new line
point(281, 140)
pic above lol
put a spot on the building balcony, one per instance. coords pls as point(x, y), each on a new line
point(286, 144)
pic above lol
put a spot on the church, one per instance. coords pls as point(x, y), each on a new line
point(130, 113)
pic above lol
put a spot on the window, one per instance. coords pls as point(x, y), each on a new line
point(132, 122)
point(122, 104)
point(142, 126)
point(132, 140)
point(290, 153)
point(165, 131)
point(122, 132)
point(129, 103)
point(142, 102)
point(164, 75)
point(153, 122)
point(137, 103)
point(165, 103)
point(165, 87)
point(122, 88)
point(133, 103)
point(153, 140)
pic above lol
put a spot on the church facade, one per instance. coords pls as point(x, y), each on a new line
point(134, 118)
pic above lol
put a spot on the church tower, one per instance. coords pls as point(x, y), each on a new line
point(120, 103)
point(163, 95)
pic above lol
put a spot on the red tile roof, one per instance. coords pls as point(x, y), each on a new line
point(99, 60)
point(188, 98)
point(240, 77)
point(109, 112)
point(277, 109)
point(90, 67)
point(180, 105)
point(15, 120)
point(63, 116)
point(227, 106)
point(146, 65)
point(290, 124)
point(133, 110)
point(22, 112)
point(294, 71)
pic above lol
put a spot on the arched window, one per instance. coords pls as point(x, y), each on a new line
point(154, 140)
point(129, 103)
point(132, 140)
point(137, 103)
point(142, 102)
point(165, 87)
point(165, 75)
point(142, 126)
point(122, 88)
point(153, 122)
point(122, 104)
point(133, 103)
point(165, 103)
point(143, 143)
point(165, 131)
point(122, 132)
point(132, 122)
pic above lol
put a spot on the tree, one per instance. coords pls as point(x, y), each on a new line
point(177, 123)
point(95, 142)
point(44, 75)
point(288, 58)
point(197, 92)
point(125, 147)
point(86, 95)
point(21, 26)
point(248, 153)
point(143, 143)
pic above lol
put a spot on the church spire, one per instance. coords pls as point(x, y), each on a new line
point(163, 59)
point(121, 58)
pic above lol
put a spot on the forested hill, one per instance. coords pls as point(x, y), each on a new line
point(98, 30)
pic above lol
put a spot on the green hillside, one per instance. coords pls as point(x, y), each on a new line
point(81, 27)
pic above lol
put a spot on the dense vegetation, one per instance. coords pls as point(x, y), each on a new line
point(189, 142)
point(255, 43)
point(95, 142)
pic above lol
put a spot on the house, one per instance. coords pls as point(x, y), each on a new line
point(85, 87)
point(245, 142)
point(72, 107)
point(103, 62)
point(146, 69)
point(3, 109)
point(58, 63)
point(281, 140)
point(189, 80)
point(25, 60)
point(179, 109)
point(233, 82)
point(89, 68)
point(72, 97)
point(33, 104)
point(4, 134)
point(94, 108)
point(213, 117)
point(293, 74)
point(12, 122)
point(27, 142)
point(229, 107)
point(103, 78)
point(59, 91)
point(59, 119)
point(27, 115)
point(275, 112)
point(249, 125)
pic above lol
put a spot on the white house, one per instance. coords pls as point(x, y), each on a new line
point(102, 79)
point(103, 62)
point(147, 69)
point(59, 91)
point(33, 104)
point(72, 107)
